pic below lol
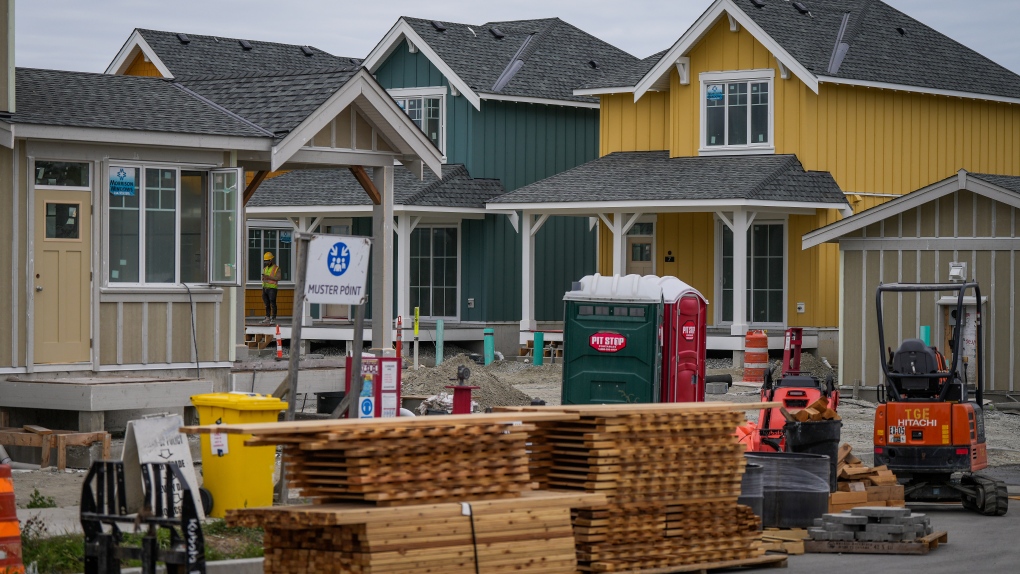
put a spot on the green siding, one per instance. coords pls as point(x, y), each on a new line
point(519, 144)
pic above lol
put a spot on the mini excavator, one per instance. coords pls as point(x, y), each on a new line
point(928, 430)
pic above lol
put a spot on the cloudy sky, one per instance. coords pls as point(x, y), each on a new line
point(85, 35)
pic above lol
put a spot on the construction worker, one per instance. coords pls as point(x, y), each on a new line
point(270, 286)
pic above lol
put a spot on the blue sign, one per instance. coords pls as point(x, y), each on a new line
point(367, 407)
point(339, 259)
point(714, 92)
point(284, 237)
point(122, 181)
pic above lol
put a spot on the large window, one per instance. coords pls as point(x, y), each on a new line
point(737, 113)
point(434, 271)
point(171, 226)
point(275, 241)
point(425, 108)
point(765, 267)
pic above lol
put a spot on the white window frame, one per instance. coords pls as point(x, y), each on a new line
point(241, 241)
point(720, 227)
point(427, 92)
point(764, 75)
point(460, 247)
point(39, 160)
point(273, 224)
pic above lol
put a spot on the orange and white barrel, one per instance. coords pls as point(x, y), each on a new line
point(756, 356)
point(10, 533)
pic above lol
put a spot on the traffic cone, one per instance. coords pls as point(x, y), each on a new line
point(279, 344)
point(10, 533)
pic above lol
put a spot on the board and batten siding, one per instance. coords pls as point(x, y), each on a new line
point(518, 144)
point(159, 329)
point(874, 255)
point(14, 256)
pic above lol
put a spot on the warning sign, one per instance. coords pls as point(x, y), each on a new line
point(607, 342)
point(688, 331)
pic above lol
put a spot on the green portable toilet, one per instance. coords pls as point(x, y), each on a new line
point(611, 340)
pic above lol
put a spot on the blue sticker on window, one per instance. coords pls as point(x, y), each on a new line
point(714, 92)
point(122, 181)
point(339, 259)
point(284, 237)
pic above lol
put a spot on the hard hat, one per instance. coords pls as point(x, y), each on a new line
point(267, 256)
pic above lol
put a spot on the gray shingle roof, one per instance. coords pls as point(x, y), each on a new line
point(78, 99)
point(338, 187)
point(921, 57)
point(212, 55)
point(654, 176)
point(625, 76)
point(555, 56)
point(1012, 183)
point(276, 101)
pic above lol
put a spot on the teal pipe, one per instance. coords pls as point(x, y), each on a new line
point(926, 335)
point(490, 346)
point(439, 341)
point(539, 349)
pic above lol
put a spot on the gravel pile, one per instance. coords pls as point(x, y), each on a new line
point(495, 389)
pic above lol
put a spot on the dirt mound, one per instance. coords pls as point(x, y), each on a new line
point(494, 390)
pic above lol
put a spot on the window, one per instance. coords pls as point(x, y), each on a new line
point(434, 273)
point(62, 220)
point(171, 226)
point(425, 107)
point(275, 241)
point(766, 282)
point(737, 112)
point(62, 174)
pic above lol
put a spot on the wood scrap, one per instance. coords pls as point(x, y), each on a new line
point(860, 485)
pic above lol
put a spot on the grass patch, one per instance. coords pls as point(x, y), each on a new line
point(65, 554)
point(37, 500)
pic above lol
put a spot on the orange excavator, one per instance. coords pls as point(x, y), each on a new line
point(928, 430)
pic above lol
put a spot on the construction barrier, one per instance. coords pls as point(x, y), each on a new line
point(756, 356)
point(10, 533)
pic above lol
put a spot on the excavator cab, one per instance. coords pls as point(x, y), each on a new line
point(928, 429)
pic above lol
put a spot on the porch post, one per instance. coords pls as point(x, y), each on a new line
point(739, 326)
point(403, 265)
point(382, 260)
point(619, 245)
point(527, 274)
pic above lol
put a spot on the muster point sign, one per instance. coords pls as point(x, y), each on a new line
point(607, 342)
point(337, 269)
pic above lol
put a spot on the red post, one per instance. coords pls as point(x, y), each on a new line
point(400, 336)
point(461, 398)
point(791, 350)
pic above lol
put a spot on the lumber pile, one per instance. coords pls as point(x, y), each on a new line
point(531, 533)
point(859, 485)
point(816, 411)
point(671, 475)
point(789, 541)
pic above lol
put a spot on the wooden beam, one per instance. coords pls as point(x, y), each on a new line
point(366, 182)
point(256, 181)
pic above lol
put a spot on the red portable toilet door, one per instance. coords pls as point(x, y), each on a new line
point(690, 341)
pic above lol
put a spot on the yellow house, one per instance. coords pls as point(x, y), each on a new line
point(766, 120)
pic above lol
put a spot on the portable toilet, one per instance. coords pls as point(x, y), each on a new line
point(633, 339)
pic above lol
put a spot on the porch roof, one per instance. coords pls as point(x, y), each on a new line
point(654, 182)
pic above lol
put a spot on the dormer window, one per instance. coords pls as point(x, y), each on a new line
point(737, 112)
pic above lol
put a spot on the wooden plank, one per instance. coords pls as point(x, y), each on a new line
point(341, 425)
point(921, 546)
point(758, 562)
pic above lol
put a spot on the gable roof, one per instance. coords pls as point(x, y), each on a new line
point(672, 182)
point(855, 42)
point(1001, 188)
point(213, 55)
point(87, 100)
point(329, 187)
point(534, 59)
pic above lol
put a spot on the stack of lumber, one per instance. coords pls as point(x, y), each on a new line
point(788, 541)
point(531, 533)
point(671, 474)
point(816, 411)
point(860, 485)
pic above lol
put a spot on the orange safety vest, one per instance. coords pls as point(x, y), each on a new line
point(271, 277)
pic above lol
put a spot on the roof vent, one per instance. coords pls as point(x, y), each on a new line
point(495, 32)
point(801, 8)
point(184, 38)
point(902, 31)
point(593, 64)
point(438, 26)
point(758, 3)
point(245, 44)
point(307, 50)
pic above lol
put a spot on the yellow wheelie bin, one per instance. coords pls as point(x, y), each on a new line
point(237, 476)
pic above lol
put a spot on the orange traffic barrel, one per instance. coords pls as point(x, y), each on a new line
point(756, 356)
point(10, 533)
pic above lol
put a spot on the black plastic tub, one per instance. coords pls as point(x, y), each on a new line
point(795, 488)
point(816, 437)
point(751, 492)
point(327, 401)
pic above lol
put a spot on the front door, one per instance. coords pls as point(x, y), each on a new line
point(63, 263)
point(639, 255)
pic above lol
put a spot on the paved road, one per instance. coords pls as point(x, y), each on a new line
point(977, 545)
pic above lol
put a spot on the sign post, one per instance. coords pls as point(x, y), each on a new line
point(416, 338)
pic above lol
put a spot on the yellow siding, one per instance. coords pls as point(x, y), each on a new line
point(141, 67)
point(605, 243)
point(812, 274)
point(626, 125)
point(690, 237)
